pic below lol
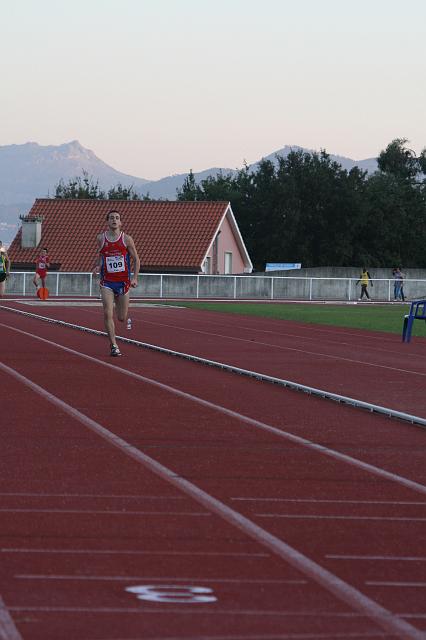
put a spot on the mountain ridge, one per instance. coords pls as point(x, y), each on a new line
point(29, 171)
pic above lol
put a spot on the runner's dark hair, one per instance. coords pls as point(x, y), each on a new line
point(112, 211)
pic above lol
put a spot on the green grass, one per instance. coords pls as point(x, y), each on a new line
point(370, 317)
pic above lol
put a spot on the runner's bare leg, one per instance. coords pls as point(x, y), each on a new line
point(122, 307)
point(107, 297)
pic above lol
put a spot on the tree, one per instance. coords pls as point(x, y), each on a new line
point(123, 193)
point(190, 191)
point(79, 188)
point(399, 161)
point(86, 188)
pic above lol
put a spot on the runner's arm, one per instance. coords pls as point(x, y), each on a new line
point(136, 260)
point(98, 260)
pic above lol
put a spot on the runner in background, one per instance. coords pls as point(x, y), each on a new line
point(42, 265)
point(4, 269)
point(116, 249)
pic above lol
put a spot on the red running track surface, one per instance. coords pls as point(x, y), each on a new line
point(373, 367)
point(243, 489)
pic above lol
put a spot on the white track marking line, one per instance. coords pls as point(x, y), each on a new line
point(89, 512)
point(327, 580)
point(8, 631)
point(137, 552)
point(386, 558)
point(378, 583)
point(359, 464)
point(391, 413)
point(318, 354)
point(214, 612)
point(301, 516)
point(155, 579)
point(106, 496)
point(320, 501)
point(277, 636)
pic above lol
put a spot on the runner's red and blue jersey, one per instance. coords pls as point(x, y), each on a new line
point(115, 257)
point(41, 265)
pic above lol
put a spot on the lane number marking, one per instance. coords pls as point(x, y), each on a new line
point(173, 593)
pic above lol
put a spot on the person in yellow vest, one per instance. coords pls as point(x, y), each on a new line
point(4, 269)
point(365, 280)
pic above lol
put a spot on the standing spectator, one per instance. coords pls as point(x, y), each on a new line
point(398, 284)
point(365, 279)
point(4, 269)
point(395, 284)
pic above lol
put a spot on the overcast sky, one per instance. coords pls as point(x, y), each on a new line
point(156, 87)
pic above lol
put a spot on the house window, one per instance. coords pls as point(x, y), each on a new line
point(207, 265)
point(228, 262)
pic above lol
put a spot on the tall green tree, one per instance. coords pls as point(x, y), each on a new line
point(399, 161)
point(80, 188)
point(85, 187)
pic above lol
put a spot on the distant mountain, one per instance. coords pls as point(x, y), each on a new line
point(30, 171)
point(369, 165)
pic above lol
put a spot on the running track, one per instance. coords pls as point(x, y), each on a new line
point(152, 497)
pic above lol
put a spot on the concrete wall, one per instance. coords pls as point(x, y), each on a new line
point(268, 287)
point(348, 272)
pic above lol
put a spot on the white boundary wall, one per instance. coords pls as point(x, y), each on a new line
point(167, 286)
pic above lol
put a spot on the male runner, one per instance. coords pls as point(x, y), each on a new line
point(115, 250)
point(42, 265)
point(4, 269)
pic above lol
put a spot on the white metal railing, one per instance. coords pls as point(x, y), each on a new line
point(231, 287)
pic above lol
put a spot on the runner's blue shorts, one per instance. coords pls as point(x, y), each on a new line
point(118, 288)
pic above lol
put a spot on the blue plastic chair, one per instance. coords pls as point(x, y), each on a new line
point(417, 312)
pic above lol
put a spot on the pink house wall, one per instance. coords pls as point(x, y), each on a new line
point(227, 243)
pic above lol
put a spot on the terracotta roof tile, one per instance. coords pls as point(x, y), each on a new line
point(167, 235)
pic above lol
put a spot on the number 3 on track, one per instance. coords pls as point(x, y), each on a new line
point(173, 593)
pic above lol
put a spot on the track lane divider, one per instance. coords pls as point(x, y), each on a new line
point(343, 591)
point(290, 384)
point(322, 449)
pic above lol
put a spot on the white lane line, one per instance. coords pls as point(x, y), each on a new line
point(337, 455)
point(105, 496)
point(327, 580)
point(278, 636)
point(289, 384)
point(378, 583)
point(163, 579)
point(317, 501)
point(8, 631)
point(122, 512)
point(208, 612)
point(137, 552)
point(386, 558)
point(301, 516)
point(317, 354)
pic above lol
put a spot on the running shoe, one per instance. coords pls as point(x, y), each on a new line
point(115, 351)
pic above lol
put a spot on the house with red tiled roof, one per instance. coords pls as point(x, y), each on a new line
point(171, 237)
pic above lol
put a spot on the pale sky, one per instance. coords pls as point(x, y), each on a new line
point(156, 87)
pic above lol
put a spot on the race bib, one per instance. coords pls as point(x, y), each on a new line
point(115, 264)
point(42, 265)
